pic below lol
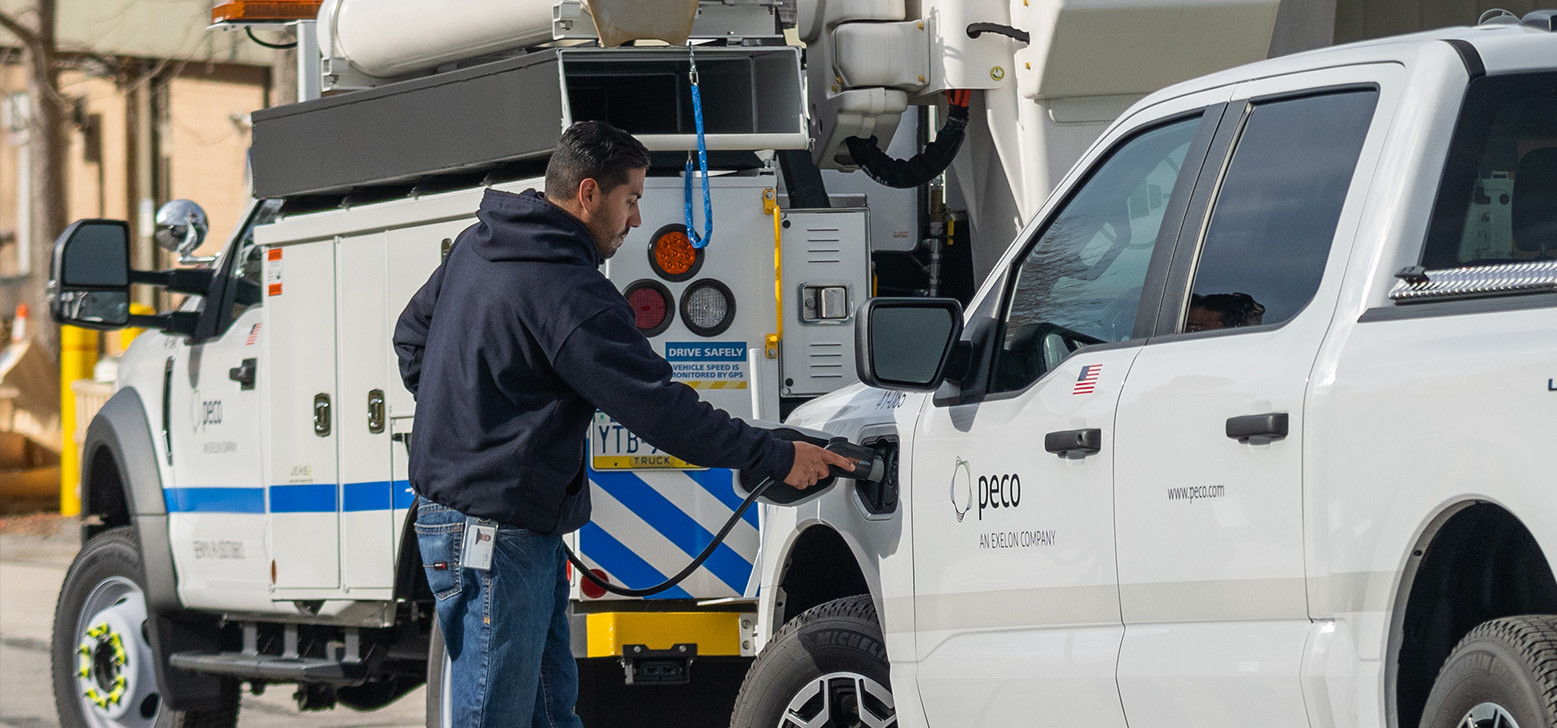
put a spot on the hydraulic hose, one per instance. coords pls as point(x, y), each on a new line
point(924, 166)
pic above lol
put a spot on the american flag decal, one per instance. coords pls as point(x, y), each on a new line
point(1088, 379)
point(253, 336)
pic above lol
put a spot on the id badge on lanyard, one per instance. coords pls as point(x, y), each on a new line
point(480, 539)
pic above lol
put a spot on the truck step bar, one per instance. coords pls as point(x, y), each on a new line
point(271, 667)
point(344, 667)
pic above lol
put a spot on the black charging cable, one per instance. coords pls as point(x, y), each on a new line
point(684, 573)
point(867, 466)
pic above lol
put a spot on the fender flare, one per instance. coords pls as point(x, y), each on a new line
point(122, 432)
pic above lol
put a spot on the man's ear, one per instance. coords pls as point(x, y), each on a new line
point(588, 194)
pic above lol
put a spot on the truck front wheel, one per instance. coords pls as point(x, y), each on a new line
point(103, 668)
point(827, 667)
point(1502, 675)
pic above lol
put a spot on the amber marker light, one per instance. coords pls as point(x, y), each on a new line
point(671, 254)
point(269, 11)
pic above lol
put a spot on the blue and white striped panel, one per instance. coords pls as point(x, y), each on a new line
point(647, 524)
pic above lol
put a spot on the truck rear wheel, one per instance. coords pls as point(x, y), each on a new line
point(103, 668)
point(1502, 675)
point(827, 667)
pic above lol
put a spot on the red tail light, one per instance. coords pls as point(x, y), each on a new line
point(591, 589)
point(652, 306)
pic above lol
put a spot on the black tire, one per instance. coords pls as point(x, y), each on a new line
point(437, 673)
point(1504, 669)
point(102, 607)
point(830, 659)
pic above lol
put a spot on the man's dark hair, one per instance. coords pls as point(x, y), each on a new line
point(593, 149)
point(1234, 309)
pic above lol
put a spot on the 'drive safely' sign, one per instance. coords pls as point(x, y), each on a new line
point(708, 364)
point(705, 351)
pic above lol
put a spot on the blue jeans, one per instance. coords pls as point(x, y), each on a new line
point(505, 629)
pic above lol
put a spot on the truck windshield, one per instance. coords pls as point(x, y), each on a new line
point(1497, 201)
point(248, 267)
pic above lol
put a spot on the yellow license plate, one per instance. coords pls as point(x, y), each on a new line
point(614, 447)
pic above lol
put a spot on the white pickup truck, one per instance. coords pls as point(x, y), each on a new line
point(1252, 425)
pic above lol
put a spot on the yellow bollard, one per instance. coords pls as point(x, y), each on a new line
point(128, 333)
point(77, 355)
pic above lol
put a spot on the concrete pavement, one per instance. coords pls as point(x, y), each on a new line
point(35, 552)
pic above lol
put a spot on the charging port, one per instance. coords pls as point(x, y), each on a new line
point(880, 498)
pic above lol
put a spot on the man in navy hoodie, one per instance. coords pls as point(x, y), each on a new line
point(509, 348)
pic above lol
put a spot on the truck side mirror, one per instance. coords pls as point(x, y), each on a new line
point(91, 276)
point(906, 343)
point(181, 228)
point(90, 281)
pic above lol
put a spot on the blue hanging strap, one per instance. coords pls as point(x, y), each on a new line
point(698, 241)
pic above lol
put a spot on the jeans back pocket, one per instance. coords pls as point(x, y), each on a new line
point(440, 541)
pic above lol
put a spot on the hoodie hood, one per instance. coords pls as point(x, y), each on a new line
point(526, 227)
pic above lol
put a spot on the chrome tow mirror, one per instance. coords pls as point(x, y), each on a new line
point(181, 228)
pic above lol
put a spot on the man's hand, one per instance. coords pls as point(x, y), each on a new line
point(811, 464)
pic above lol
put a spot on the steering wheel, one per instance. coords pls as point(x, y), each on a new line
point(1037, 349)
point(1057, 342)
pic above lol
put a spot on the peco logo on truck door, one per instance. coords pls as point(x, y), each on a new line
point(205, 413)
point(987, 492)
point(994, 492)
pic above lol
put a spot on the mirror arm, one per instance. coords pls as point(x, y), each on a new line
point(175, 322)
point(960, 361)
point(193, 281)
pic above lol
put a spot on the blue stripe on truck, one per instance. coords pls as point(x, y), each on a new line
point(307, 498)
point(310, 498)
point(214, 500)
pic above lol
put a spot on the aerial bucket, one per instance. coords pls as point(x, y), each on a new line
point(620, 22)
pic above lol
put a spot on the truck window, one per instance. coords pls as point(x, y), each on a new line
point(1497, 200)
point(1276, 210)
point(249, 265)
point(1081, 281)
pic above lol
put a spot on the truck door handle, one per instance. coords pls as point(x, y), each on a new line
point(322, 415)
point(1270, 426)
point(243, 374)
point(1074, 442)
point(376, 411)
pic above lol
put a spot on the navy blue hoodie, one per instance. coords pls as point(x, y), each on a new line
point(511, 346)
